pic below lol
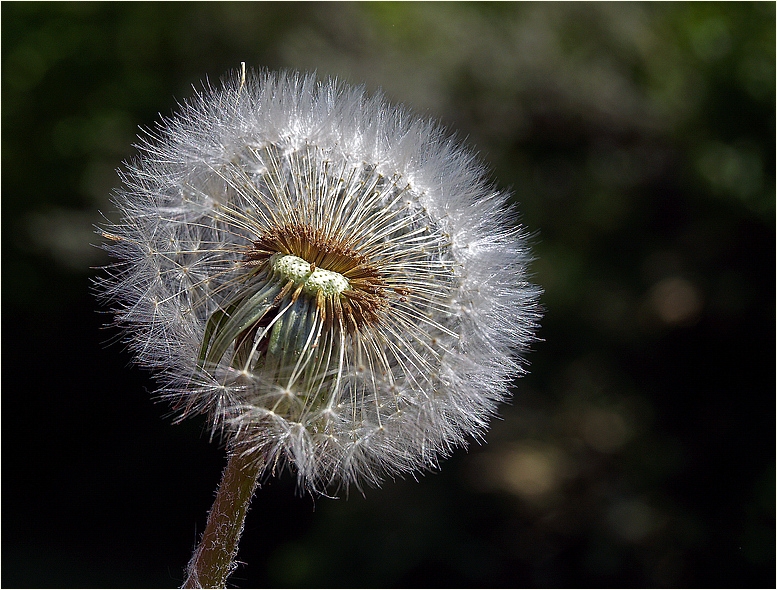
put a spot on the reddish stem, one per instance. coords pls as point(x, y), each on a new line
point(214, 559)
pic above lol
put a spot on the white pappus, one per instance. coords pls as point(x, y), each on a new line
point(334, 282)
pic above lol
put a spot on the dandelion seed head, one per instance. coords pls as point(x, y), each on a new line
point(333, 282)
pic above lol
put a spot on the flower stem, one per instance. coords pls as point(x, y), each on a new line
point(213, 560)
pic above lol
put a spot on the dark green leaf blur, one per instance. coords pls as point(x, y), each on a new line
point(639, 142)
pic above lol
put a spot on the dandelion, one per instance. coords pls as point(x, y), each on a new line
point(334, 283)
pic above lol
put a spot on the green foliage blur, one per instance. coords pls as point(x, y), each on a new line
point(639, 142)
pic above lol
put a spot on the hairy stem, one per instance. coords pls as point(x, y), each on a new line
point(213, 560)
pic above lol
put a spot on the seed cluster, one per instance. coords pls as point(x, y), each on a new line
point(357, 306)
point(312, 279)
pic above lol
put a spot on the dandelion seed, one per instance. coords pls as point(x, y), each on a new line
point(356, 290)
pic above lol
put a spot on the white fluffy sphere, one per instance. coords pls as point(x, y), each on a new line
point(333, 281)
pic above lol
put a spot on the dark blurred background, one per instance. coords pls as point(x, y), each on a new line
point(639, 140)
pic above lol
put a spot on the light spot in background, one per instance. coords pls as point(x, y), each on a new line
point(530, 470)
point(606, 431)
point(676, 301)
